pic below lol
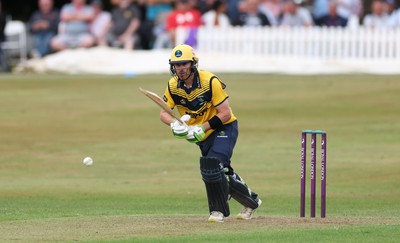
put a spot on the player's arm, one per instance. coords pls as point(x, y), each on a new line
point(220, 100)
point(223, 114)
point(166, 118)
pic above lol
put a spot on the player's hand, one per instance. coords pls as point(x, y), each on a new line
point(190, 137)
point(178, 129)
point(199, 133)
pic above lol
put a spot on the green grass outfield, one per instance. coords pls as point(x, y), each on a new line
point(145, 185)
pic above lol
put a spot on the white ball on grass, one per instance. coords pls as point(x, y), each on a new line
point(88, 161)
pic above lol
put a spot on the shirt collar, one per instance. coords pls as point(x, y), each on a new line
point(196, 82)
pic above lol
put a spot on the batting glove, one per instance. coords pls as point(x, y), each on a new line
point(190, 137)
point(178, 129)
point(199, 133)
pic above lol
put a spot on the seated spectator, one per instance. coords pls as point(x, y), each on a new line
point(101, 23)
point(154, 21)
point(349, 8)
point(74, 27)
point(332, 19)
point(377, 18)
point(43, 26)
point(162, 38)
point(3, 21)
point(272, 9)
point(203, 5)
point(295, 16)
point(216, 17)
point(250, 15)
point(389, 6)
point(125, 25)
point(394, 19)
point(184, 15)
point(320, 8)
point(233, 9)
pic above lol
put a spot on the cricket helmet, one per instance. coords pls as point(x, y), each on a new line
point(183, 53)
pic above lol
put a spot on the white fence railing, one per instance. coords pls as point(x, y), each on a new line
point(316, 42)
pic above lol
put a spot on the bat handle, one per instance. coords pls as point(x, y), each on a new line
point(184, 120)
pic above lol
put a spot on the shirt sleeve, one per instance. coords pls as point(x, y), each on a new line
point(306, 16)
point(168, 99)
point(66, 9)
point(218, 93)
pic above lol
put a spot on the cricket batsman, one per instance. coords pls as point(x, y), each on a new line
point(201, 100)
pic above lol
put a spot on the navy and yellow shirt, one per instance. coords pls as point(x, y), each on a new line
point(199, 101)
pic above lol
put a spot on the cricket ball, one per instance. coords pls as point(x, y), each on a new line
point(88, 161)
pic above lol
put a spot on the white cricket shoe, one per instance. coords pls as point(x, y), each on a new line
point(216, 217)
point(246, 213)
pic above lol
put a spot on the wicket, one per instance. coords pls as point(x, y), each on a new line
point(303, 171)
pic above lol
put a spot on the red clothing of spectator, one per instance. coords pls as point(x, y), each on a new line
point(190, 18)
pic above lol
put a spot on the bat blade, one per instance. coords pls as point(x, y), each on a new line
point(160, 102)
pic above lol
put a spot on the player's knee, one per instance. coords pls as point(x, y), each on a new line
point(222, 157)
point(211, 169)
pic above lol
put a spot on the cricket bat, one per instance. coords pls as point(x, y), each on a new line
point(160, 102)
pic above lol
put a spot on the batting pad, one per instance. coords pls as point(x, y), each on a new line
point(241, 193)
point(216, 184)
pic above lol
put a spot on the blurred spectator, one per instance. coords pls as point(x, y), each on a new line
point(101, 23)
point(349, 8)
point(154, 22)
point(125, 25)
point(272, 9)
point(204, 5)
point(332, 19)
point(389, 6)
point(295, 15)
point(43, 26)
point(3, 21)
point(184, 15)
point(378, 18)
point(394, 19)
point(320, 8)
point(233, 9)
point(162, 37)
point(74, 27)
point(250, 15)
point(216, 17)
